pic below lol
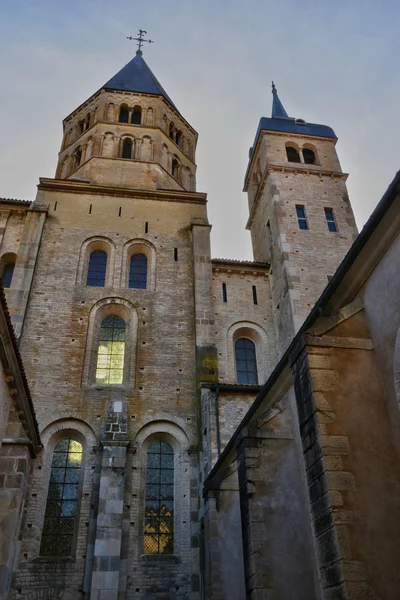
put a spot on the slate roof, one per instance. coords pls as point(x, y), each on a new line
point(15, 201)
point(136, 76)
point(279, 121)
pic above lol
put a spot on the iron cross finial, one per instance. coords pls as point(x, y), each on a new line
point(140, 39)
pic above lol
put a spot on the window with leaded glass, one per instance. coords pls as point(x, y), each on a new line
point(246, 363)
point(62, 500)
point(96, 276)
point(159, 502)
point(138, 272)
point(111, 351)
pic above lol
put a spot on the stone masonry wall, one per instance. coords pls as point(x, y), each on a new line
point(241, 314)
point(161, 395)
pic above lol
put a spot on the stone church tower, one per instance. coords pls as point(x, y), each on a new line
point(301, 220)
point(142, 353)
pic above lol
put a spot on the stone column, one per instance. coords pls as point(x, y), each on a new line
point(4, 214)
point(15, 460)
point(332, 489)
point(213, 580)
point(18, 294)
point(108, 575)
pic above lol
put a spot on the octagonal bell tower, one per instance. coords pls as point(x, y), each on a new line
point(129, 134)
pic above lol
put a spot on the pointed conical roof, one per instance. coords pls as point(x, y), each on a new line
point(277, 106)
point(136, 76)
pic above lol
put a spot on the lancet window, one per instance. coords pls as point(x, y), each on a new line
point(62, 500)
point(97, 268)
point(159, 500)
point(111, 351)
point(246, 363)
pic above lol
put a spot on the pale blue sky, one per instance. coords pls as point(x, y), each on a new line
point(334, 63)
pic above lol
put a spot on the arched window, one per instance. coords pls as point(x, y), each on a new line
point(178, 137)
point(123, 115)
point(127, 148)
point(246, 363)
point(136, 118)
point(292, 154)
point(111, 350)
point(77, 157)
point(7, 274)
point(171, 131)
point(138, 272)
point(175, 168)
point(96, 275)
point(159, 501)
point(62, 500)
point(309, 156)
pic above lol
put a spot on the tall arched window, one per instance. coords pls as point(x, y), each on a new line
point(96, 276)
point(246, 363)
point(138, 272)
point(309, 156)
point(123, 116)
point(136, 117)
point(111, 351)
point(159, 501)
point(175, 168)
point(127, 148)
point(7, 274)
point(62, 500)
point(292, 154)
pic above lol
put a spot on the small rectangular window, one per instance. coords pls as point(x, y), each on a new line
point(255, 295)
point(301, 217)
point(146, 227)
point(175, 254)
point(330, 219)
point(224, 294)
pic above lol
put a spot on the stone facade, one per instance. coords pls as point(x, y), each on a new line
point(19, 445)
point(246, 514)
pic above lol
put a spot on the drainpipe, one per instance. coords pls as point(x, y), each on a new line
point(217, 421)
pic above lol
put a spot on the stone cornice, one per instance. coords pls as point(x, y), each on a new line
point(77, 187)
point(239, 267)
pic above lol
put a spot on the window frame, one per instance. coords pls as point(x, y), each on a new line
point(302, 219)
point(89, 246)
point(61, 435)
point(139, 246)
point(159, 483)
point(108, 307)
point(253, 347)
point(104, 279)
point(331, 221)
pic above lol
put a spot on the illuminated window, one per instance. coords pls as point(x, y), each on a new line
point(62, 500)
point(159, 502)
point(97, 268)
point(246, 364)
point(330, 220)
point(138, 272)
point(7, 274)
point(111, 351)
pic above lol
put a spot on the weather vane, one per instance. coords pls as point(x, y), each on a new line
point(140, 39)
